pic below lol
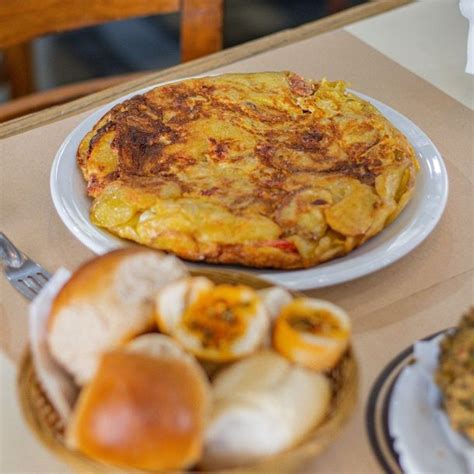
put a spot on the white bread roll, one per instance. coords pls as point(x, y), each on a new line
point(313, 333)
point(106, 302)
point(145, 408)
point(173, 300)
point(159, 346)
point(262, 405)
point(215, 322)
point(274, 298)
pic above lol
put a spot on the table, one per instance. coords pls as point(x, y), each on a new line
point(411, 57)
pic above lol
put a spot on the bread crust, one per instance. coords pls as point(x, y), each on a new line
point(90, 279)
point(142, 411)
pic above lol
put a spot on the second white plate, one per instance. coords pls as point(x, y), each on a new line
point(420, 429)
point(414, 224)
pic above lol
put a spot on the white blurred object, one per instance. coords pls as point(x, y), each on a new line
point(467, 9)
point(423, 437)
point(57, 384)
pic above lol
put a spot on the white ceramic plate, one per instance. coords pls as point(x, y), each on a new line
point(412, 226)
point(422, 435)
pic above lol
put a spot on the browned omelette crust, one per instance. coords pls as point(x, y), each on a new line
point(265, 170)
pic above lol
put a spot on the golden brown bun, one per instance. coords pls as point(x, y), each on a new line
point(141, 410)
point(106, 302)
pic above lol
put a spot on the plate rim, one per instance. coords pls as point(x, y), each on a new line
point(377, 405)
point(278, 276)
point(404, 377)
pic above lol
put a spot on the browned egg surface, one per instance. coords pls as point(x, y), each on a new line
point(264, 169)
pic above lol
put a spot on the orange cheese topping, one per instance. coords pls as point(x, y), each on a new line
point(318, 322)
point(220, 316)
point(311, 335)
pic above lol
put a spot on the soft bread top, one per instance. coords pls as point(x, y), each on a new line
point(263, 404)
point(106, 302)
point(145, 408)
point(274, 298)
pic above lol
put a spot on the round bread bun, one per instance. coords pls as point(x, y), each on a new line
point(263, 404)
point(173, 300)
point(274, 298)
point(214, 322)
point(106, 302)
point(145, 408)
point(160, 346)
point(313, 333)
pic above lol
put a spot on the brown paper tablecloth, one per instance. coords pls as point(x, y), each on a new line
point(422, 293)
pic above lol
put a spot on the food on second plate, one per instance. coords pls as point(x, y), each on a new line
point(146, 408)
point(455, 376)
point(265, 170)
point(215, 322)
point(262, 405)
point(106, 302)
point(311, 332)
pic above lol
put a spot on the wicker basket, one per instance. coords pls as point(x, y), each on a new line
point(45, 422)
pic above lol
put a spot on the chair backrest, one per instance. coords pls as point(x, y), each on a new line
point(24, 20)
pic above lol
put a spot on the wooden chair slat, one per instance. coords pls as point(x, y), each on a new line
point(19, 69)
point(201, 28)
point(22, 20)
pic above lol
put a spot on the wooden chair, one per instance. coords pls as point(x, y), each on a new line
point(23, 20)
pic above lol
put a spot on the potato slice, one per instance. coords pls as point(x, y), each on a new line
point(354, 214)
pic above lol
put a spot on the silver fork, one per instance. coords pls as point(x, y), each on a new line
point(25, 275)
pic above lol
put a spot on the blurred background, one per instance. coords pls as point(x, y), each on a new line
point(152, 43)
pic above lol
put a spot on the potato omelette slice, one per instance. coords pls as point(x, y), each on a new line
point(264, 169)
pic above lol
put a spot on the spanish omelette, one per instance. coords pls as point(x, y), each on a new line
point(263, 169)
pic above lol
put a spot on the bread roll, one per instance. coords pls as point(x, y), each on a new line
point(274, 298)
point(214, 322)
point(145, 408)
point(106, 302)
point(311, 332)
point(173, 300)
point(263, 404)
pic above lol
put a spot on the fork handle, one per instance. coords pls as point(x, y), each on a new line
point(10, 256)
